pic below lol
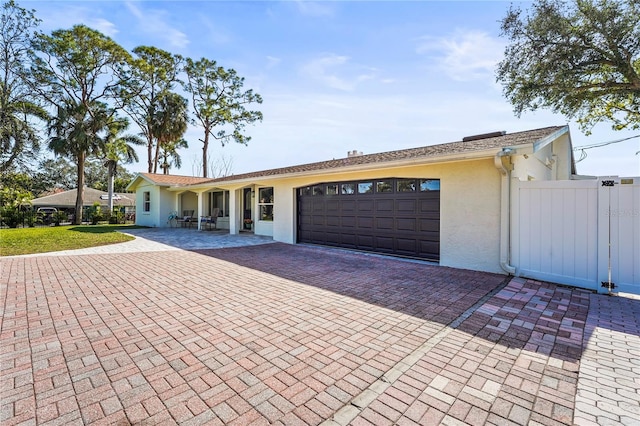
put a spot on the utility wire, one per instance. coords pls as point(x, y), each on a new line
point(583, 148)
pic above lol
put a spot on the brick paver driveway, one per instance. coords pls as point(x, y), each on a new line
point(281, 334)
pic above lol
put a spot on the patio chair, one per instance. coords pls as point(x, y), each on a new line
point(172, 218)
point(208, 221)
point(187, 218)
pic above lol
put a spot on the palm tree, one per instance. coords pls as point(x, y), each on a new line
point(170, 156)
point(169, 125)
point(75, 133)
point(17, 132)
point(119, 148)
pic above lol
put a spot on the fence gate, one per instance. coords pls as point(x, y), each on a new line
point(579, 232)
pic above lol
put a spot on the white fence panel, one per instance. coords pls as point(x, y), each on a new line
point(623, 200)
point(578, 232)
point(556, 228)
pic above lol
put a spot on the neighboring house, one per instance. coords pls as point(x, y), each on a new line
point(66, 200)
point(448, 203)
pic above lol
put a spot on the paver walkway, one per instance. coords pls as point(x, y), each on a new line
point(164, 239)
point(293, 335)
point(609, 382)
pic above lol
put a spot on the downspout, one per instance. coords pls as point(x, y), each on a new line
point(503, 163)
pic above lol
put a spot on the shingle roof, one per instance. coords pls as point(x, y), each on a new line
point(90, 196)
point(425, 152)
point(174, 180)
point(431, 151)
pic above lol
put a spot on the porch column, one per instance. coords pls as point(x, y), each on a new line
point(200, 211)
point(233, 211)
point(177, 197)
point(176, 203)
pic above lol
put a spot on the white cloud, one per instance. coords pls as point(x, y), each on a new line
point(153, 22)
point(65, 18)
point(465, 55)
point(326, 67)
point(104, 26)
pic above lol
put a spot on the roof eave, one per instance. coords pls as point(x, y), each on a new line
point(541, 143)
point(467, 156)
point(195, 186)
point(134, 183)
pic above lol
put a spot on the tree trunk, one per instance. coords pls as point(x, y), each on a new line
point(150, 156)
point(157, 157)
point(112, 174)
point(150, 150)
point(77, 220)
point(205, 147)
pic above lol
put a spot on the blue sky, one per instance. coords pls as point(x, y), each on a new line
point(342, 75)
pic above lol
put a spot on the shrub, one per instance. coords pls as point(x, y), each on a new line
point(95, 214)
point(58, 217)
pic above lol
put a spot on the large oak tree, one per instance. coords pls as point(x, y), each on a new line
point(580, 58)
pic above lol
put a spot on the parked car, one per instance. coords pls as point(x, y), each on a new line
point(46, 213)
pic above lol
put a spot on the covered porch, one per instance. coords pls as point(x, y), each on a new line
point(238, 210)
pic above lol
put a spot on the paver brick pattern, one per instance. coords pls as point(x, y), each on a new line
point(609, 385)
point(505, 364)
point(181, 337)
point(280, 334)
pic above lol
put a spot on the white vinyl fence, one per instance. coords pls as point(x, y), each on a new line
point(578, 232)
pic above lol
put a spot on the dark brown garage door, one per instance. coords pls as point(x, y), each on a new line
point(395, 216)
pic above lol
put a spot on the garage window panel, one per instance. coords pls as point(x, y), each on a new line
point(332, 189)
point(384, 186)
point(429, 185)
point(406, 185)
point(348, 188)
point(365, 188)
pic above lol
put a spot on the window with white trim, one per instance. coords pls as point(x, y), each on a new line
point(146, 201)
point(220, 200)
point(265, 204)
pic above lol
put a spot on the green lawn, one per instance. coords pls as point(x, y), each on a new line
point(55, 238)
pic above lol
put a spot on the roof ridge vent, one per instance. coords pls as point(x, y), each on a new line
point(484, 136)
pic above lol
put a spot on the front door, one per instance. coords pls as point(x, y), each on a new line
point(246, 208)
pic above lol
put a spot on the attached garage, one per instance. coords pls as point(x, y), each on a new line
point(395, 216)
point(448, 203)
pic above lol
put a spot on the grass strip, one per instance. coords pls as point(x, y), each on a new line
point(55, 238)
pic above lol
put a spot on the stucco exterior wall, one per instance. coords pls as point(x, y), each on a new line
point(149, 218)
point(552, 162)
point(533, 166)
point(188, 201)
point(470, 216)
point(162, 204)
point(563, 155)
point(166, 205)
point(469, 208)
